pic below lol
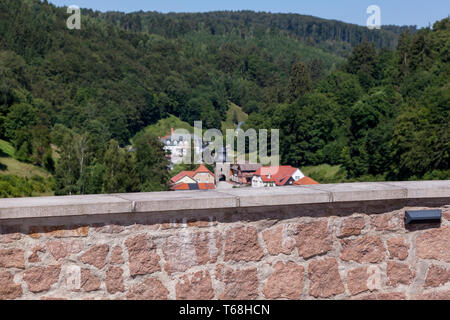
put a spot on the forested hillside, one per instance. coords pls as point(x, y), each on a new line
point(385, 115)
point(71, 100)
point(327, 34)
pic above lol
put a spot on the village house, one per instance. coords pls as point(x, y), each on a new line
point(243, 173)
point(202, 177)
point(276, 176)
point(177, 146)
point(240, 174)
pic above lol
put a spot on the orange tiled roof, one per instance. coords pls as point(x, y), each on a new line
point(181, 175)
point(192, 186)
point(206, 186)
point(201, 169)
point(180, 186)
point(305, 181)
point(204, 169)
point(165, 137)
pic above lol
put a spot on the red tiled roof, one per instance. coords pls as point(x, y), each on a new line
point(204, 169)
point(206, 186)
point(180, 186)
point(181, 175)
point(201, 169)
point(277, 171)
point(279, 175)
point(192, 186)
point(265, 179)
point(284, 180)
point(305, 181)
point(165, 137)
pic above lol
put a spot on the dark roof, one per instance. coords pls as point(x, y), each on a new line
point(193, 186)
point(248, 167)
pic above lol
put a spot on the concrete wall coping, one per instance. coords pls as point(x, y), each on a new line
point(63, 206)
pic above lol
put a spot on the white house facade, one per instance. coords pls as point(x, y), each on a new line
point(178, 145)
point(297, 175)
point(276, 176)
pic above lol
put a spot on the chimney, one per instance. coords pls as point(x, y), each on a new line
point(172, 131)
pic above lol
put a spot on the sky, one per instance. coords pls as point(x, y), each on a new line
point(399, 12)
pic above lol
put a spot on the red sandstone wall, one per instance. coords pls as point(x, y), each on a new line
point(359, 256)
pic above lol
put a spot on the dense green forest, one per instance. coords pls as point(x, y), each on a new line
point(374, 102)
point(384, 115)
point(328, 34)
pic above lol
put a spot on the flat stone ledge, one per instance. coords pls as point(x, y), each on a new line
point(41, 207)
point(362, 191)
point(20, 208)
point(277, 196)
point(178, 200)
point(424, 189)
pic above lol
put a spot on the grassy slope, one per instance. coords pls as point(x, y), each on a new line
point(6, 149)
point(11, 166)
point(21, 169)
point(241, 116)
point(325, 173)
point(162, 127)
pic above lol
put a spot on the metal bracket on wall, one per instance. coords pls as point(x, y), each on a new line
point(423, 216)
